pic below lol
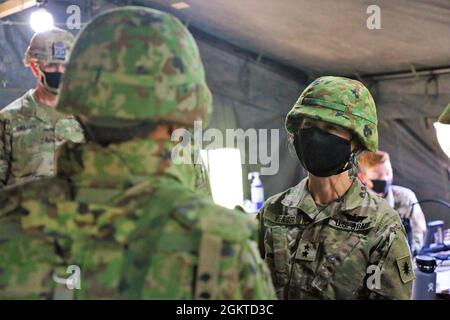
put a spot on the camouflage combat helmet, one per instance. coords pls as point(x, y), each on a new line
point(135, 64)
point(444, 118)
point(341, 101)
point(51, 46)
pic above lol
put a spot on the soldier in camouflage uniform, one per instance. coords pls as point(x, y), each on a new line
point(31, 129)
point(121, 209)
point(329, 237)
point(375, 171)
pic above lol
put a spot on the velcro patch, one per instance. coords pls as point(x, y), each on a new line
point(405, 269)
point(289, 220)
point(306, 251)
point(349, 225)
point(59, 51)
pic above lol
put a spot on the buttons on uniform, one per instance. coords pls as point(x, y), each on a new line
point(205, 295)
point(205, 277)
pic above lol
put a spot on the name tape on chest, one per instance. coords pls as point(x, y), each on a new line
point(286, 219)
point(349, 225)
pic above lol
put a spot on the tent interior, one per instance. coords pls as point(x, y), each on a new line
point(260, 54)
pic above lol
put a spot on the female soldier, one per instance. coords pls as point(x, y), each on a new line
point(328, 237)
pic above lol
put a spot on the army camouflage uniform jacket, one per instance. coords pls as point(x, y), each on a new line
point(335, 252)
point(134, 225)
point(30, 133)
point(401, 199)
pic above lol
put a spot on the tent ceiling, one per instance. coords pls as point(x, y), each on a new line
point(329, 36)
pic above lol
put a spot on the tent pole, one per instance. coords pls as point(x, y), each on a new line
point(410, 74)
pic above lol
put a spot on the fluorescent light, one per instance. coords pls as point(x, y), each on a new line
point(443, 136)
point(180, 5)
point(225, 175)
point(41, 20)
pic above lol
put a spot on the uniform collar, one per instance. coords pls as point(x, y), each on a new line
point(41, 111)
point(299, 197)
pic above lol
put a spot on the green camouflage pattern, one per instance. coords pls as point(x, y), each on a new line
point(136, 65)
point(445, 116)
point(402, 200)
point(124, 195)
point(126, 214)
point(202, 179)
point(325, 252)
point(30, 134)
point(51, 46)
point(341, 101)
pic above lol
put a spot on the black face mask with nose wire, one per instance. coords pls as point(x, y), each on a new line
point(321, 153)
point(381, 186)
point(52, 79)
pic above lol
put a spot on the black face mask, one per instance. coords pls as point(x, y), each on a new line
point(53, 79)
point(321, 153)
point(381, 186)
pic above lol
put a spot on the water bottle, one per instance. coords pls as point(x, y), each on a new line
point(424, 287)
point(256, 190)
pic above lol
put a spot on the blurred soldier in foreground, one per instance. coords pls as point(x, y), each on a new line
point(328, 237)
point(30, 127)
point(121, 212)
point(376, 174)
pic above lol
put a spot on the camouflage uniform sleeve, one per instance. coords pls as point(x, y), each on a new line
point(4, 154)
point(202, 181)
point(260, 220)
point(261, 231)
point(418, 223)
point(391, 255)
point(255, 280)
point(69, 129)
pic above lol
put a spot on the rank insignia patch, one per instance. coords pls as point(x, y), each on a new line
point(306, 251)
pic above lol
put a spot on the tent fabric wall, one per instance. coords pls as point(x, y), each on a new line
point(407, 109)
point(15, 79)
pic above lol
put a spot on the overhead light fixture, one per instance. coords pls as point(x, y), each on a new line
point(41, 20)
point(180, 5)
point(443, 136)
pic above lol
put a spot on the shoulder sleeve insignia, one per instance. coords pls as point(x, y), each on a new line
point(405, 269)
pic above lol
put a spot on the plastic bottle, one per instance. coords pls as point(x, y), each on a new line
point(256, 190)
point(424, 286)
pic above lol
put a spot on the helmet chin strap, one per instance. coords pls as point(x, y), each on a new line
point(44, 83)
point(352, 167)
point(352, 164)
